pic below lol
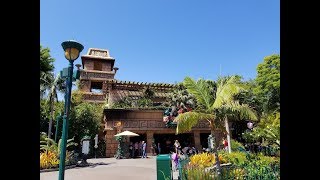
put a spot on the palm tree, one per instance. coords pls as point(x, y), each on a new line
point(56, 85)
point(210, 107)
point(46, 69)
point(46, 79)
point(227, 106)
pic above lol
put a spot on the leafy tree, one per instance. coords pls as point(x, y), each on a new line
point(266, 131)
point(181, 98)
point(145, 101)
point(148, 93)
point(46, 69)
point(85, 119)
point(268, 82)
point(56, 85)
point(251, 98)
point(76, 98)
point(210, 106)
point(120, 154)
point(227, 106)
point(179, 101)
point(45, 114)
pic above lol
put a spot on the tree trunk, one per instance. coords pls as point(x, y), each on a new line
point(226, 122)
point(215, 151)
point(51, 119)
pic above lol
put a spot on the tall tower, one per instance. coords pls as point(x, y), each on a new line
point(98, 67)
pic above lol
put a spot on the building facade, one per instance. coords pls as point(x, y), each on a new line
point(98, 85)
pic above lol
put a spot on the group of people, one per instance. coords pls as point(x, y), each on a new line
point(138, 149)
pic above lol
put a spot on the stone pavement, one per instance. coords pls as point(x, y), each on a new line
point(110, 168)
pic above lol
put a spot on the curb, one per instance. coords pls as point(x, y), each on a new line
point(57, 169)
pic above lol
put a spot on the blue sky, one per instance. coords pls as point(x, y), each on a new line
point(166, 40)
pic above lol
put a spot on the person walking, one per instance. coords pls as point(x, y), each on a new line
point(136, 149)
point(140, 148)
point(177, 146)
point(159, 148)
point(153, 148)
point(225, 144)
point(144, 146)
point(131, 150)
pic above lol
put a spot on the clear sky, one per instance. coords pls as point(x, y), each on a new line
point(166, 40)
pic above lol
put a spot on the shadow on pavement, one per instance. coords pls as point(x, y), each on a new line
point(92, 165)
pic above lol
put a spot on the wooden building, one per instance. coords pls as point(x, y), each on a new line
point(98, 84)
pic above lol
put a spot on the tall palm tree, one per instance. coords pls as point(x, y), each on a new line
point(228, 106)
point(46, 79)
point(56, 85)
point(46, 69)
point(208, 107)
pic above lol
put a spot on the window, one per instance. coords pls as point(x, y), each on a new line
point(96, 87)
point(97, 65)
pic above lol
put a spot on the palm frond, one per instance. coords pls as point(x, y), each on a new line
point(53, 89)
point(70, 140)
point(200, 90)
point(243, 110)
point(226, 91)
point(72, 144)
point(186, 121)
point(50, 141)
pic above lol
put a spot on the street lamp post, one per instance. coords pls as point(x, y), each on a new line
point(72, 50)
point(57, 127)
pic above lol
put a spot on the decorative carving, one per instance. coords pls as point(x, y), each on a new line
point(143, 124)
point(94, 97)
point(134, 124)
point(99, 53)
point(155, 124)
point(90, 75)
point(160, 124)
point(126, 124)
point(151, 124)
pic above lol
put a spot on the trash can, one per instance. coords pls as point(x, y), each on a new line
point(164, 167)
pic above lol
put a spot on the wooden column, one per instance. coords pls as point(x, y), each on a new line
point(149, 142)
point(110, 96)
point(111, 143)
point(196, 135)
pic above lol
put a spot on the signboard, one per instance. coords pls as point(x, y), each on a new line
point(85, 147)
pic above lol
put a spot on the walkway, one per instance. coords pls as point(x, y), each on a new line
point(110, 168)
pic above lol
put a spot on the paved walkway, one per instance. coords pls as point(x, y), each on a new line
point(110, 168)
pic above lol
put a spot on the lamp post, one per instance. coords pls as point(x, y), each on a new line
point(57, 127)
point(72, 50)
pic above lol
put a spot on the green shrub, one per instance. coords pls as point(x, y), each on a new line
point(236, 158)
point(196, 173)
point(268, 160)
point(236, 146)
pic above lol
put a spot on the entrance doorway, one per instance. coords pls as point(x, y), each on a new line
point(167, 140)
point(142, 137)
point(204, 139)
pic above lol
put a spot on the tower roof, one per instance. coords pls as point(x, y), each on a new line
point(98, 54)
